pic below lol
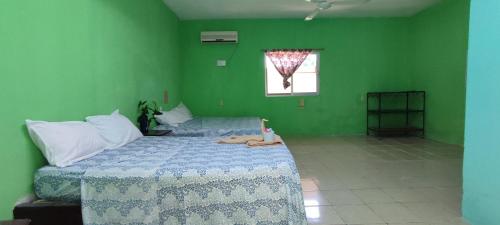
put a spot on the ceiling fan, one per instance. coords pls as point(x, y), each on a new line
point(324, 4)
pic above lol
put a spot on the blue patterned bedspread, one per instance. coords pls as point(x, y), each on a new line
point(216, 126)
point(180, 180)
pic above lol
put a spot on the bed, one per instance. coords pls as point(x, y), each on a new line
point(216, 126)
point(180, 180)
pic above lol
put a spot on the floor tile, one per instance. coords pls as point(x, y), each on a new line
point(324, 215)
point(394, 213)
point(357, 214)
point(456, 221)
point(326, 183)
point(353, 182)
point(342, 197)
point(408, 224)
point(411, 194)
point(432, 212)
point(373, 196)
point(309, 185)
point(315, 198)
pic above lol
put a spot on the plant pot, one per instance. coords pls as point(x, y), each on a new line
point(143, 123)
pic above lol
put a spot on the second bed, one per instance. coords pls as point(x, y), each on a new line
point(216, 126)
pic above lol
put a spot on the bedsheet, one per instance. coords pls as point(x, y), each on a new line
point(216, 126)
point(181, 180)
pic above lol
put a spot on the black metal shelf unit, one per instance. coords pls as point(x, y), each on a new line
point(395, 113)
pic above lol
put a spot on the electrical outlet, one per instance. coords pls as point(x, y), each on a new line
point(221, 63)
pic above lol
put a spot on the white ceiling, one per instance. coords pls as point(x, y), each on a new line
point(263, 9)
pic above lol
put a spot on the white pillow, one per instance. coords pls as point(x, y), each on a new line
point(172, 118)
point(64, 143)
point(182, 109)
point(176, 116)
point(116, 129)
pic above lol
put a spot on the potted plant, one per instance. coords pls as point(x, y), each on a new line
point(156, 109)
point(144, 118)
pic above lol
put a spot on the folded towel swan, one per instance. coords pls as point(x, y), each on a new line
point(251, 140)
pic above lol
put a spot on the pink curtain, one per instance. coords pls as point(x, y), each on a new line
point(287, 62)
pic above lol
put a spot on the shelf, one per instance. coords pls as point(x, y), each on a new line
point(395, 93)
point(394, 111)
point(395, 131)
point(385, 119)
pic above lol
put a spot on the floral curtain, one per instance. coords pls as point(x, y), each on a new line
point(287, 62)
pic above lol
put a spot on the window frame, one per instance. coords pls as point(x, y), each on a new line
point(292, 93)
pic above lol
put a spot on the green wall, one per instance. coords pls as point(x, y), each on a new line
point(482, 155)
point(360, 55)
point(439, 38)
point(63, 60)
point(424, 52)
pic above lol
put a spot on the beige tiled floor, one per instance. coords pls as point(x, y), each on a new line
point(369, 181)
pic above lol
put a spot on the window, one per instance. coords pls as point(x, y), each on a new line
point(305, 81)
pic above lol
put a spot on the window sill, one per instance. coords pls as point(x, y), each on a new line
point(292, 95)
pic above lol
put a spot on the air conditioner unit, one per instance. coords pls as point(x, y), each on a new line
point(219, 37)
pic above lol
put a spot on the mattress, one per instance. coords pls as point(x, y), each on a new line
point(180, 180)
point(216, 126)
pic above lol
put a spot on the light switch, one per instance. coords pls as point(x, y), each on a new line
point(221, 63)
point(165, 97)
point(302, 103)
point(221, 103)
